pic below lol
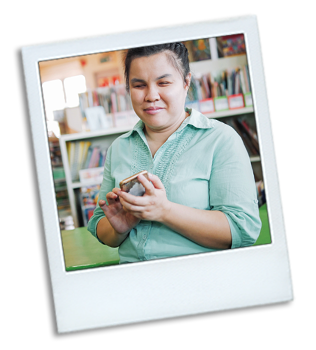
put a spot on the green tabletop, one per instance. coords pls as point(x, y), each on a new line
point(264, 237)
point(83, 251)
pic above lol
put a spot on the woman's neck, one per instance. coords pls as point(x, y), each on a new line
point(156, 138)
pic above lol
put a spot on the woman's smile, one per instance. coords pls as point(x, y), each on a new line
point(153, 110)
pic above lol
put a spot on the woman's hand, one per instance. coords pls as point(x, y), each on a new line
point(121, 220)
point(153, 205)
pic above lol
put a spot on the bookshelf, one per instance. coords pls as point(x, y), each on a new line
point(61, 191)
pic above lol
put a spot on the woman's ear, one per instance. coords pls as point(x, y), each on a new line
point(187, 81)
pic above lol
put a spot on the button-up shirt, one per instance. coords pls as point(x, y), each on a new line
point(203, 165)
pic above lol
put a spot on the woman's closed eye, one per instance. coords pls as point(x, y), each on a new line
point(162, 83)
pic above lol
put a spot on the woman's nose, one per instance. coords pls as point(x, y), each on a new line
point(152, 94)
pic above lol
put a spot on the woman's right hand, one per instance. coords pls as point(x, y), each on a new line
point(121, 221)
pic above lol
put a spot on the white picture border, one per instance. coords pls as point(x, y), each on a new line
point(157, 289)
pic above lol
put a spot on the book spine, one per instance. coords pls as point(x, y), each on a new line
point(252, 135)
point(246, 138)
point(233, 78)
point(74, 166)
point(90, 99)
point(113, 101)
point(104, 157)
point(234, 125)
point(100, 159)
point(205, 86)
point(94, 161)
point(243, 85)
point(237, 84)
point(89, 154)
point(248, 77)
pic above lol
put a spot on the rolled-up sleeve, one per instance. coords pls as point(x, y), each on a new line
point(232, 188)
point(108, 184)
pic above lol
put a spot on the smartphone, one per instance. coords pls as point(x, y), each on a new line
point(132, 185)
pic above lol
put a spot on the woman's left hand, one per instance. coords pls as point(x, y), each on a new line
point(152, 206)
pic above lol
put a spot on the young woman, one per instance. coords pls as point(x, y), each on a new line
point(201, 196)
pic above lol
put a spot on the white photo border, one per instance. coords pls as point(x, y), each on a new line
point(200, 283)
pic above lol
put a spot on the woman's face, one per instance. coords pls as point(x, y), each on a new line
point(157, 91)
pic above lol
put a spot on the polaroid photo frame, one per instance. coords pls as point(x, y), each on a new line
point(158, 289)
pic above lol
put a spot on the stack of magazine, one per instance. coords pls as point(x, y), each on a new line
point(89, 198)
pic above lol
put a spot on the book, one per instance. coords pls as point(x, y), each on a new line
point(88, 201)
point(75, 163)
point(87, 214)
point(80, 155)
point(69, 153)
point(206, 85)
point(245, 78)
point(232, 123)
point(89, 153)
point(252, 134)
point(102, 157)
point(114, 103)
point(242, 81)
point(246, 69)
point(95, 157)
point(86, 147)
point(246, 137)
point(90, 194)
point(260, 193)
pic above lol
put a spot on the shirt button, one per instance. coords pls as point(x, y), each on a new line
point(144, 237)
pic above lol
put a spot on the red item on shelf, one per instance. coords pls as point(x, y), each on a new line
point(236, 101)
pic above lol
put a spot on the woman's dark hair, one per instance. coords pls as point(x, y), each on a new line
point(176, 52)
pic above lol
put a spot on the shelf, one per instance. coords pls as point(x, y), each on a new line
point(255, 159)
point(91, 134)
point(230, 113)
point(62, 179)
point(223, 63)
point(79, 184)
point(64, 188)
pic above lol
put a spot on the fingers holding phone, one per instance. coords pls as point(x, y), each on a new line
point(133, 186)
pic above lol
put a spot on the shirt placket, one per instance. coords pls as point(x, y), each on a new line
point(145, 227)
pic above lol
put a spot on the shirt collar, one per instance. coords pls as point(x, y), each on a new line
point(196, 119)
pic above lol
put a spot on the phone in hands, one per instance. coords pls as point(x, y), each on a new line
point(132, 185)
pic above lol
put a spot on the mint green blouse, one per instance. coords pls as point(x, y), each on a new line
point(203, 165)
